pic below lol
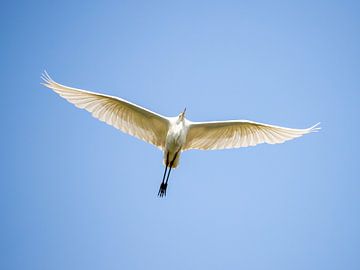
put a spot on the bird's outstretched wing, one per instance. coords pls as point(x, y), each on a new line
point(238, 133)
point(123, 115)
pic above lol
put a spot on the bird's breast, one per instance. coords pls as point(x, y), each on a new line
point(176, 138)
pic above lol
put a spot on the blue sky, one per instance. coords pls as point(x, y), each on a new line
point(78, 194)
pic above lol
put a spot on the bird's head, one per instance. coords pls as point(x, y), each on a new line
point(182, 115)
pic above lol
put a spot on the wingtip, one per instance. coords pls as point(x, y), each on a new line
point(47, 80)
point(315, 128)
point(46, 77)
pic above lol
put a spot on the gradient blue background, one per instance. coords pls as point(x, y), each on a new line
point(78, 194)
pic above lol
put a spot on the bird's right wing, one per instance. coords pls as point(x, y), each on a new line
point(238, 133)
point(123, 115)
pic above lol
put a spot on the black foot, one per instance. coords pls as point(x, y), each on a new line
point(162, 190)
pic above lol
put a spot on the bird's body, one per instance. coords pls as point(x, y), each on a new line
point(175, 140)
point(173, 135)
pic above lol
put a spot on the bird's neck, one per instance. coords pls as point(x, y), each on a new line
point(180, 122)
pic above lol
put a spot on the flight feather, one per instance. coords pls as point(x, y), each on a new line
point(238, 133)
point(119, 113)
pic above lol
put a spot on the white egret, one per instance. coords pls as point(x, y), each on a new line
point(173, 135)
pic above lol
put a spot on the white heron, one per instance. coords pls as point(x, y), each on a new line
point(173, 135)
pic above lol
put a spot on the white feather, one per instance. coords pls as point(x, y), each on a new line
point(238, 133)
point(123, 115)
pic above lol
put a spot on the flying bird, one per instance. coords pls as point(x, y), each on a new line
point(173, 135)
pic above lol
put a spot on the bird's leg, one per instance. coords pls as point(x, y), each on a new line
point(167, 178)
point(171, 164)
point(163, 180)
point(162, 190)
point(163, 186)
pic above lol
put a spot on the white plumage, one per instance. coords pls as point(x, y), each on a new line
point(173, 134)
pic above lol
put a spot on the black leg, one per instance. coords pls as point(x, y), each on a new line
point(171, 164)
point(167, 178)
point(163, 186)
point(163, 180)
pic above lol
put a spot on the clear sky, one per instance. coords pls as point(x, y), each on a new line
point(78, 194)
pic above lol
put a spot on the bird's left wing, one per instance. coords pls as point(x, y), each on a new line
point(238, 133)
point(123, 115)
